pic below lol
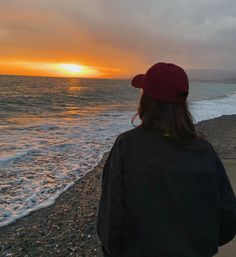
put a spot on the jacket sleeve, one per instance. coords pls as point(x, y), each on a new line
point(111, 208)
point(227, 225)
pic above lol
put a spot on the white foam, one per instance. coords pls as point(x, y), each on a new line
point(209, 109)
point(45, 204)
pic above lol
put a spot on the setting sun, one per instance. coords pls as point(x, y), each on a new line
point(71, 68)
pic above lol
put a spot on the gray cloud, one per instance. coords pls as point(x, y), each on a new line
point(193, 33)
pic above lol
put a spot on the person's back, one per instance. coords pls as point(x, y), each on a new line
point(171, 197)
point(163, 198)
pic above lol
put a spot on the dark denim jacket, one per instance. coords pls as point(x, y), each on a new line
point(160, 199)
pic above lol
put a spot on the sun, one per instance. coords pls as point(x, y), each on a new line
point(70, 68)
point(74, 70)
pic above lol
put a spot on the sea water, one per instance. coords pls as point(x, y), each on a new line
point(54, 130)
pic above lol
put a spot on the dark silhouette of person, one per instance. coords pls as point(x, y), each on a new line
point(165, 191)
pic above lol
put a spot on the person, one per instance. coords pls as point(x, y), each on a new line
point(165, 191)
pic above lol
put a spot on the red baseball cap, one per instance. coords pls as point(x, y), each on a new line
point(164, 82)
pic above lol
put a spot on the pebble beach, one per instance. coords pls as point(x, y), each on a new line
point(68, 227)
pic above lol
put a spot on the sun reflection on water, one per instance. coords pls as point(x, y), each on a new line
point(74, 88)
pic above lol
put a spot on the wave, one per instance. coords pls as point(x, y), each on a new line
point(17, 156)
point(209, 109)
point(51, 200)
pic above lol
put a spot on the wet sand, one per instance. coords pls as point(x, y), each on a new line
point(67, 228)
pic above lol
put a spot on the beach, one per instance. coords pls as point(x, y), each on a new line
point(68, 227)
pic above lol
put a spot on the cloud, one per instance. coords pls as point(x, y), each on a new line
point(125, 35)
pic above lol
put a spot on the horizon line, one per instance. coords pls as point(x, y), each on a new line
point(64, 77)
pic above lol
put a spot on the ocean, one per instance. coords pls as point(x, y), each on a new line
point(55, 130)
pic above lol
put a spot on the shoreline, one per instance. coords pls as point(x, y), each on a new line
point(67, 227)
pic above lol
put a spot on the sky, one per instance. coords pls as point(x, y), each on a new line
point(111, 38)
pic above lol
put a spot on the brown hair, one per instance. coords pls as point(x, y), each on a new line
point(173, 119)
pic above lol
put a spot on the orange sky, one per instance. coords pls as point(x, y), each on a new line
point(36, 40)
point(113, 38)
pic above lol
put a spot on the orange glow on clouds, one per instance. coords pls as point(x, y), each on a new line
point(50, 69)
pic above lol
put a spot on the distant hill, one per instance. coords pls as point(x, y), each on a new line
point(233, 80)
point(212, 75)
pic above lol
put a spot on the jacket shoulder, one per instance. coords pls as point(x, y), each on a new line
point(130, 133)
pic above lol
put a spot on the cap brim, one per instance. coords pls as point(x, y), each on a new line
point(138, 81)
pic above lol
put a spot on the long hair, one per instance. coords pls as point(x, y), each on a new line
point(172, 120)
